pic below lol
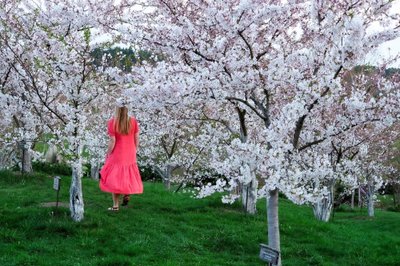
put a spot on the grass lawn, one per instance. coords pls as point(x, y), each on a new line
point(163, 228)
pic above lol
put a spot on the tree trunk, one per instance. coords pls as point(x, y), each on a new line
point(76, 198)
point(273, 222)
point(370, 196)
point(51, 154)
point(249, 196)
point(26, 159)
point(396, 194)
point(167, 176)
point(359, 197)
point(6, 157)
point(249, 190)
point(323, 209)
point(352, 198)
point(94, 171)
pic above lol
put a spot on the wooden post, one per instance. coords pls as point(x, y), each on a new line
point(56, 186)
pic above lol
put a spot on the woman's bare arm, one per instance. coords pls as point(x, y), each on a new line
point(111, 145)
point(137, 141)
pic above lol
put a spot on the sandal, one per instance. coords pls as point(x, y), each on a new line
point(125, 200)
point(113, 209)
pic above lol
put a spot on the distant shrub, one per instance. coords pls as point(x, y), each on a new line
point(64, 169)
point(344, 208)
point(86, 169)
point(394, 208)
point(52, 168)
point(148, 174)
point(16, 177)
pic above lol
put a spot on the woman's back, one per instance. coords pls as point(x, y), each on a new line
point(125, 149)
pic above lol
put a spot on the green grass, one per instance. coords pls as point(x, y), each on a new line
point(163, 228)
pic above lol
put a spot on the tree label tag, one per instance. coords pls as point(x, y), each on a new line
point(56, 184)
point(269, 255)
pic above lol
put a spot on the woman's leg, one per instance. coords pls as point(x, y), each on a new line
point(115, 200)
point(125, 200)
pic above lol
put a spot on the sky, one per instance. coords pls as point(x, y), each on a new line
point(386, 50)
point(389, 49)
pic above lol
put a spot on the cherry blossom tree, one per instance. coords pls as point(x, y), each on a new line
point(51, 44)
point(18, 124)
point(170, 139)
point(373, 92)
point(377, 166)
point(280, 62)
point(394, 177)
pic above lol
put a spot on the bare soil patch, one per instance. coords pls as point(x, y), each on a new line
point(53, 204)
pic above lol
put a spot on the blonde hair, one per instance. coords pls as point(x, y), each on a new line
point(122, 122)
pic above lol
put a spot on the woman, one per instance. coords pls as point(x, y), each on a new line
point(120, 173)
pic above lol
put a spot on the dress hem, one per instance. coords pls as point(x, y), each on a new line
point(120, 192)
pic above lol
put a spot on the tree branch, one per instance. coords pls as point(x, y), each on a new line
point(300, 121)
point(247, 43)
point(312, 143)
point(246, 103)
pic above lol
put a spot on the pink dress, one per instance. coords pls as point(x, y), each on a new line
point(120, 173)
